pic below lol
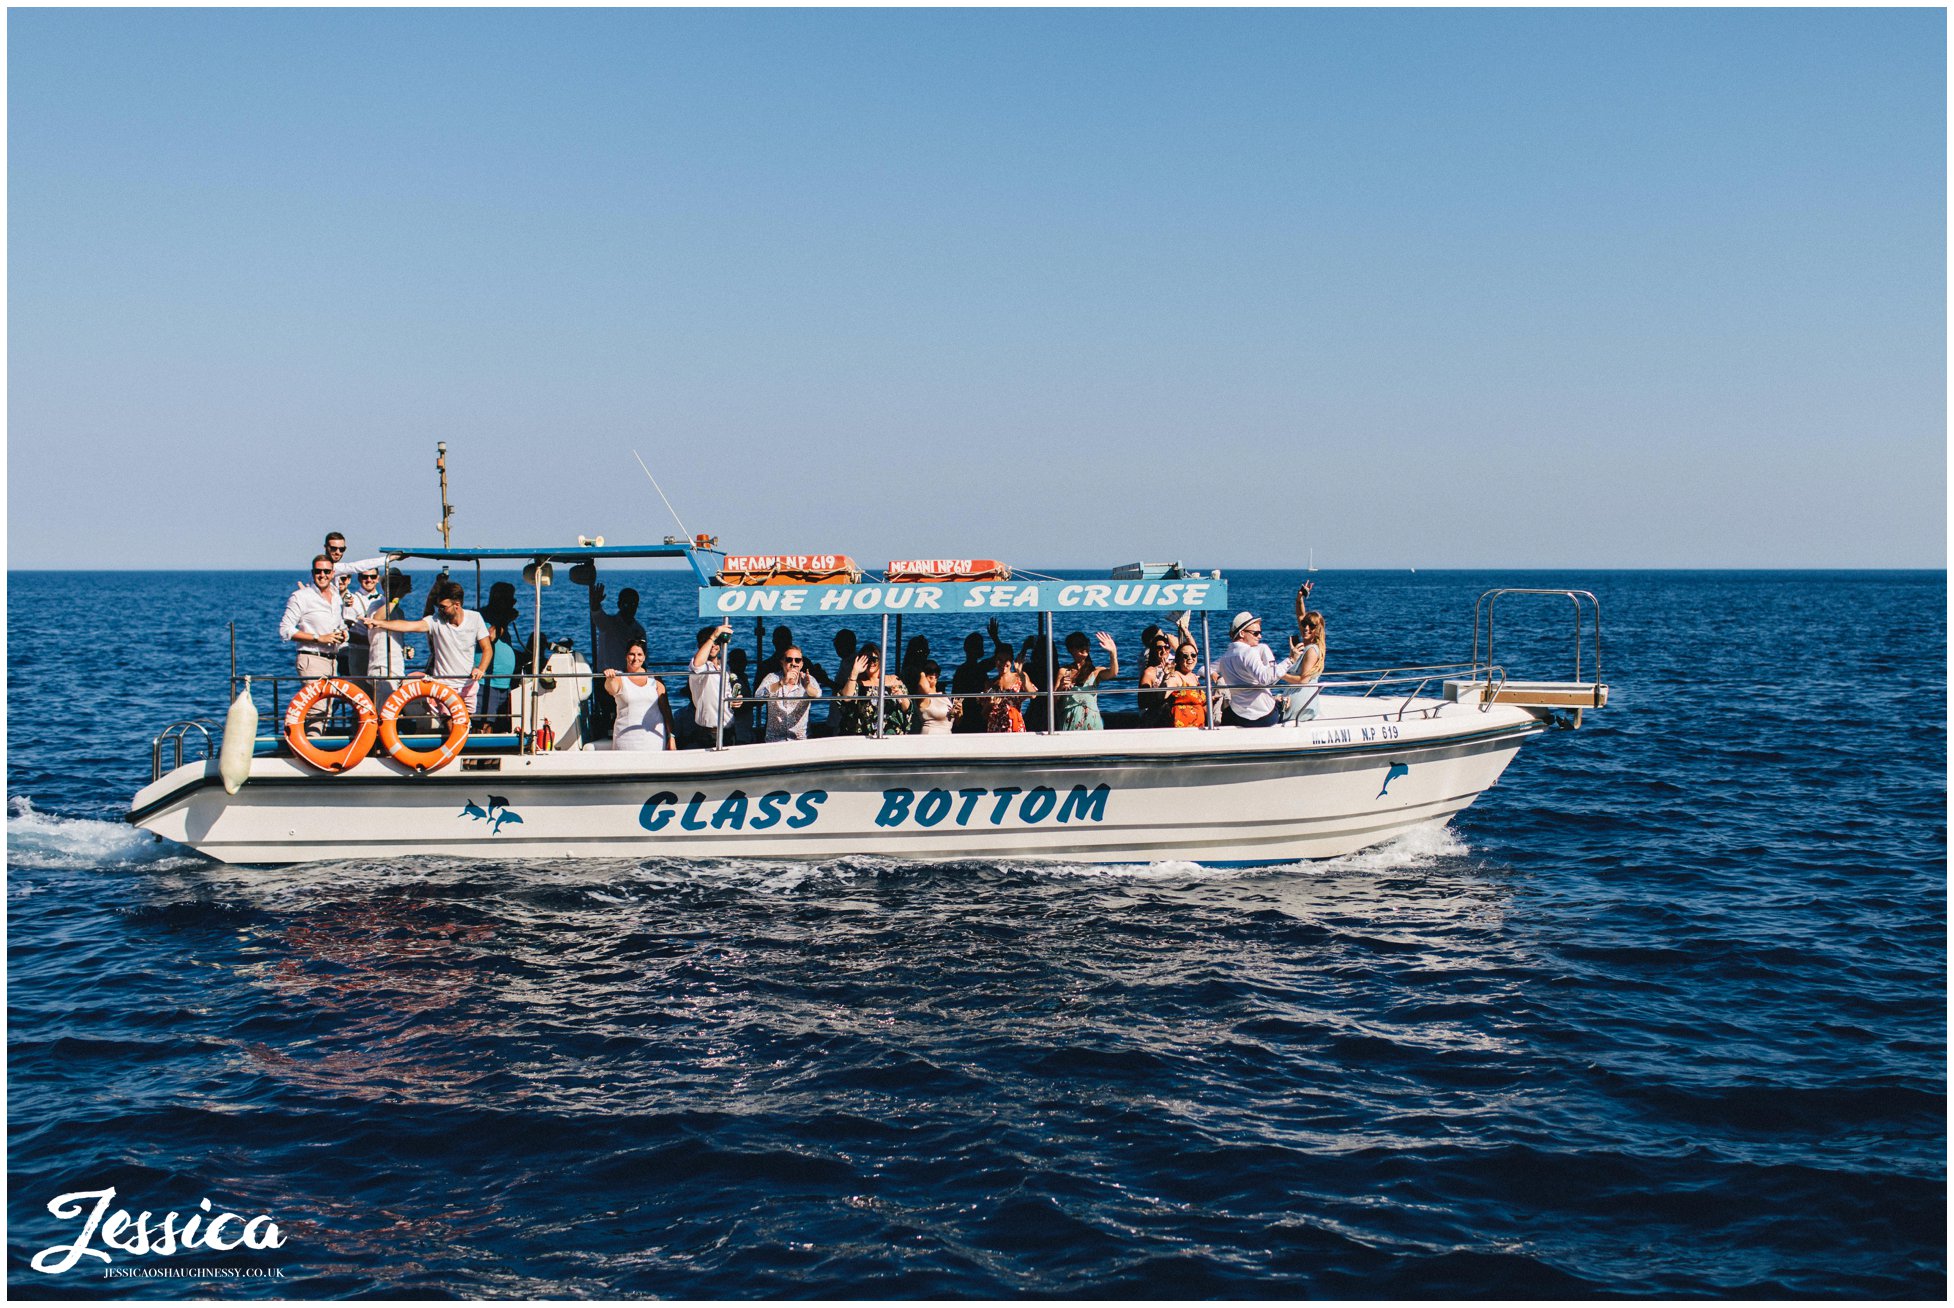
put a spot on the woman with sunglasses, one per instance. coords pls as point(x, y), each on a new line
point(789, 694)
point(1159, 661)
point(1309, 666)
point(644, 714)
point(1187, 702)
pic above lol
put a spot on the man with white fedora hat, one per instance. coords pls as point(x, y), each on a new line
point(1246, 672)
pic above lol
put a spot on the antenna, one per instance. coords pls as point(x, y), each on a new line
point(661, 495)
point(447, 510)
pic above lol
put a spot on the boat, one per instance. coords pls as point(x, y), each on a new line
point(1312, 558)
point(1386, 750)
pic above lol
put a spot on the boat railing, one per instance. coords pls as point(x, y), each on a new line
point(1399, 685)
point(1583, 602)
point(172, 738)
point(1564, 699)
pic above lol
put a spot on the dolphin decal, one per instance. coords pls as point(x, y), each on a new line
point(470, 809)
point(1397, 770)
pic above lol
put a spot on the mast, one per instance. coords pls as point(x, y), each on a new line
point(447, 509)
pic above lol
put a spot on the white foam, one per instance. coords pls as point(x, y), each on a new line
point(1169, 869)
point(1419, 847)
point(43, 840)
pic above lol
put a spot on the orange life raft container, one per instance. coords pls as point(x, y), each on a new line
point(946, 570)
point(788, 570)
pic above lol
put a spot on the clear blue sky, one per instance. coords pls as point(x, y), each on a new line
point(1427, 288)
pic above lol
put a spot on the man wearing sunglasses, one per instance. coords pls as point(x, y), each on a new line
point(1247, 670)
point(789, 694)
point(313, 618)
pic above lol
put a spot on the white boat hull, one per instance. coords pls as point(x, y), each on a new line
point(1355, 777)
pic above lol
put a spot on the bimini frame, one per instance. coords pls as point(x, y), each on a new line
point(692, 553)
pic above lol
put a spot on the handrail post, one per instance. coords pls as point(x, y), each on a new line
point(1051, 673)
point(719, 719)
point(529, 714)
point(1577, 637)
point(882, 681)
point(1207, 670)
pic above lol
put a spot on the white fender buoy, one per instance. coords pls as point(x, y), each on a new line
point(240, 741)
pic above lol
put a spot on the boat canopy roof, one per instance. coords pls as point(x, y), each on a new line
point(566, 554)
point(1045, 595)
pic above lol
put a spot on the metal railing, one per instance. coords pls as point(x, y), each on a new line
point(1377, 683)
point(1489, 600)
point(173, 736)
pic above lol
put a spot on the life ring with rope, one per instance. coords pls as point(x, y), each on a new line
point(307, 698)
point(439, 693)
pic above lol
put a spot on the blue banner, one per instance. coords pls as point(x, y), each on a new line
point(978, 597)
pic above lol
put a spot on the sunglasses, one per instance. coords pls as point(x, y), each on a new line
point(792, 660)
point(322, 572)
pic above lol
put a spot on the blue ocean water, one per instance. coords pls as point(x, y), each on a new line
point(1664, 1013)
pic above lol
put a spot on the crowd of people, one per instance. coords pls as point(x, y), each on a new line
point(345, 625)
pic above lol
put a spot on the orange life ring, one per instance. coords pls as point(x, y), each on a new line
point(307, 698)
point(441, 693)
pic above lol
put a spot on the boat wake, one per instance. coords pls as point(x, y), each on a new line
point(37, 840)
point(1418, 847)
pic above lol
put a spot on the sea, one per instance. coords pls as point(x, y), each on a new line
point(1662, 1014)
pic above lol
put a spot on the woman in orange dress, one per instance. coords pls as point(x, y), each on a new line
point(1012, 680)
point(1187, 702)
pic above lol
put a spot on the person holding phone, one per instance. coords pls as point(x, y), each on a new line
point(788, 695)
point(711, 689)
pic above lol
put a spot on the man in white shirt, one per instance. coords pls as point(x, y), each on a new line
point(355, 603)
point(712, 692)
point(386, 656)
point(314, 619)
point(789, 694)
point(1247, 670)
point(458, 645)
